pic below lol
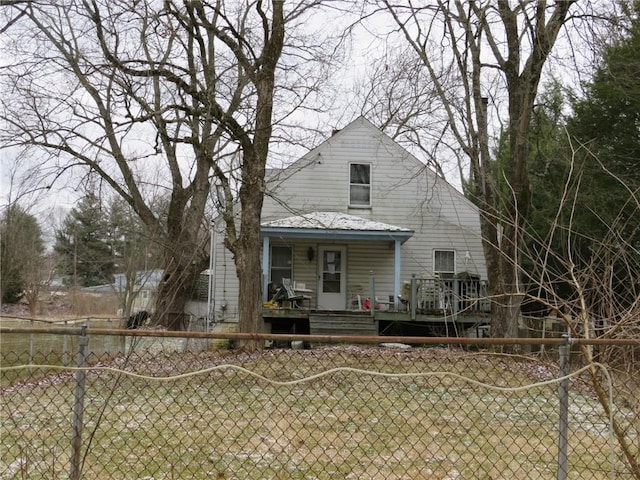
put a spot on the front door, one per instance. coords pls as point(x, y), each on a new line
point(332, 287)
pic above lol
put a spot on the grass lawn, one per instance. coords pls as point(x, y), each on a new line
point(50, 349)
point(419, 420)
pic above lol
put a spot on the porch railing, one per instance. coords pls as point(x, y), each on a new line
point(446, 296)
point(451, 296)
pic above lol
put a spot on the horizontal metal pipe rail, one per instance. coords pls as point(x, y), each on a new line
point(323, 338)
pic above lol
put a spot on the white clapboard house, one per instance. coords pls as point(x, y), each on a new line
point(359, 236)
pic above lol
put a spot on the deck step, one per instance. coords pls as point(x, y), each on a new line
point(336, 324)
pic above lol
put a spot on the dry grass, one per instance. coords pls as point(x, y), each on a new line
point(50, 349)
point(83, 303)
point(229, 424)
point(63, 304)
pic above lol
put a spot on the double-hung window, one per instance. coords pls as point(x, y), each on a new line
point(281, 263)
point(359, 185)
point(444, 263)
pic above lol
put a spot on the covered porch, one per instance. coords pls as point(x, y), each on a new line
point(334, 273)
point(326, 258)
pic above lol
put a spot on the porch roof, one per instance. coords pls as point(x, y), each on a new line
point(334, 225)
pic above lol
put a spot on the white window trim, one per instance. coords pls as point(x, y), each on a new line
point(454, 260)
point(349, 184)
point(291, 249)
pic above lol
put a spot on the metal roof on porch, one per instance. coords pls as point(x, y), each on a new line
point(334, 225)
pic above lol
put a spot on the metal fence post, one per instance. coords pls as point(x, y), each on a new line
point(413, 299)
point(185, 343)
point(372, 293)
point(65, 350)
point(78, 406)
point(109, 337)
point(563, 418)
point(31, 347)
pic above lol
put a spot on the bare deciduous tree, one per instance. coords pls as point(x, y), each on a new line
point(155, 95)
point(398, 96)
point(475, 52)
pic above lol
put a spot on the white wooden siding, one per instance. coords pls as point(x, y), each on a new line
point(404, 193)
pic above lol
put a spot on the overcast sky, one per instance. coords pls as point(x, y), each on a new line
point(361, 53)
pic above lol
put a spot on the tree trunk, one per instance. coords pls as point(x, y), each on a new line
point(503, 270)
point(173, 293)
point(246, 252)
point(183, 261)
point(522, 78)
point(248, 246)
point(249, 271)
point(499, 252)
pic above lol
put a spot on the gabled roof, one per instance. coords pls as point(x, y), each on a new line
point(393, 146)
point(338, 134)
point(323, 225)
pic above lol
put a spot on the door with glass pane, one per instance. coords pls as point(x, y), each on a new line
point(332, 289)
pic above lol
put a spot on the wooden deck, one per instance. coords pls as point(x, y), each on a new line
point(365, 322)
point(401, 323)
point(428, 306)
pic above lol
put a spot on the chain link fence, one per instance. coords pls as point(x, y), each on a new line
point(154, 405)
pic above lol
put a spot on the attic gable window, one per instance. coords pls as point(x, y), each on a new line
point(360, 184)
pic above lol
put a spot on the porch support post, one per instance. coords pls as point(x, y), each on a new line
point(265, 269)
point(396, 274)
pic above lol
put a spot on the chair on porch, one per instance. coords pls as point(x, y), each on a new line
point(297, 301)
point(356, 297)
point(384, 302)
